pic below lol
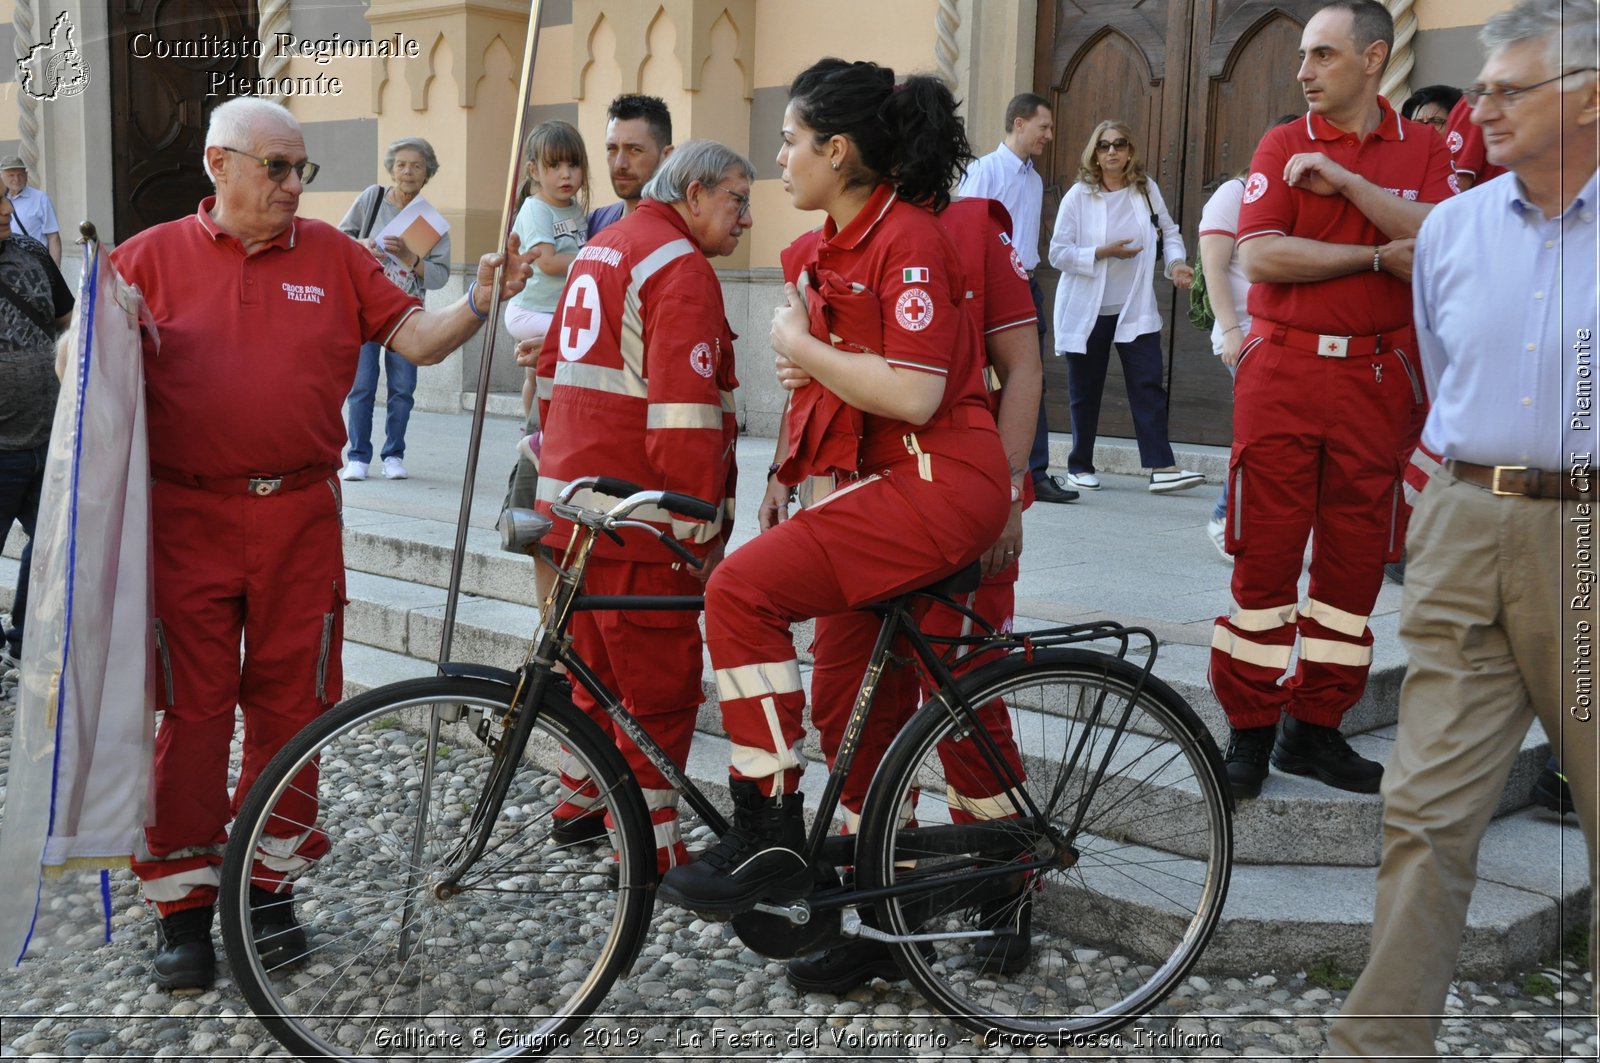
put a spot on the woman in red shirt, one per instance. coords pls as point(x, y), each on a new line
point(884, 365)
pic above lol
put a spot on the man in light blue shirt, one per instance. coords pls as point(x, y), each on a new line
point(1499, 616)
point(1007, 174)
point(32, 213)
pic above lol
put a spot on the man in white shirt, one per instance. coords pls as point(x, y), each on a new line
point(1007, 174)
point(32, 213)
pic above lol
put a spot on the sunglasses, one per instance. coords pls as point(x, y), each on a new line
point(1120, 144)
point(278, 169)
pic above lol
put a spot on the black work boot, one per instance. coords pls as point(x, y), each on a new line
point(1012, 920)
point(1551, 791)
point(278, 935)
point(578, 830)
point(185, 957)
point(759, 859)
point(1246, 759)
point(1309, 749)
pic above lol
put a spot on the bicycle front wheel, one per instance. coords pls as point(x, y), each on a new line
point(368, 811)
point(1074, 916)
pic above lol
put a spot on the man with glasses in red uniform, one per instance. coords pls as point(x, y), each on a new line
point(1325, 402)
point(257, 317)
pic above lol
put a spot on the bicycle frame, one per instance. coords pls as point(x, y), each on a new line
point(553, 647)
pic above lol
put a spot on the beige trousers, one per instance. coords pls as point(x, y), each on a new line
point(1493, 619)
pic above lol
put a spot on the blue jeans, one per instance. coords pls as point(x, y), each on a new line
point(1147, 398)
point(402, 378)
point(21, 478)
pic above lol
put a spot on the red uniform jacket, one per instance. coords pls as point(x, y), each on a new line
point(636, 379)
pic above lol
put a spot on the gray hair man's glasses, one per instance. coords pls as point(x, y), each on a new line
point(278, 169)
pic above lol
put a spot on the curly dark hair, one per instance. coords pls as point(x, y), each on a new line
point(908, 134)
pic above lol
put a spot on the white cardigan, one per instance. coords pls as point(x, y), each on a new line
point(1080, 228)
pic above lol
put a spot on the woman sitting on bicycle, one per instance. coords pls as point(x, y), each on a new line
point(894, 411)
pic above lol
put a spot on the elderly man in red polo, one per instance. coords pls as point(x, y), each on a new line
point(257, 315)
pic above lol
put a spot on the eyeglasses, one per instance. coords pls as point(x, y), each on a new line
point(1438, 121)
point(1511, 97)
point(742, 201)
point(278, 169)
point(1120, 144)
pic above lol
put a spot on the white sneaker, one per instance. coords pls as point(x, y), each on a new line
point(1162, 483)
point(1218, 531)
point(394, 469)
point(355, 470)
point(1085, 481)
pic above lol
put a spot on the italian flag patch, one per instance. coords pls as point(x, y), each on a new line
point(915, 275)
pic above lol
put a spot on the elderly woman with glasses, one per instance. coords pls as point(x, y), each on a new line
point(1105, 246)
point(412, 164)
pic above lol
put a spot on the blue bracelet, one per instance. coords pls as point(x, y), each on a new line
point(474, 306)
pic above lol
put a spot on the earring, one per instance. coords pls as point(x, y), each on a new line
point(835, 166)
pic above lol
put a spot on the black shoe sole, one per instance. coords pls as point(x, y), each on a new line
point(883, 966)
point(280, 946)
point(1295, 764)
point(795, 887)
point(1246, 789)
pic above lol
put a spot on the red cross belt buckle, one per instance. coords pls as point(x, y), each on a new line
point(262, 485)
point(1333, 346)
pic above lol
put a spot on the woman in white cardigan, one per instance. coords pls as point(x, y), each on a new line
point(1105, 247)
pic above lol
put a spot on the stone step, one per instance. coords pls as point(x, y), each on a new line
point(419, 550)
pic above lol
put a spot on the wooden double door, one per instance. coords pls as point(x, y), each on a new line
point(161, 102)
point(1198, 82)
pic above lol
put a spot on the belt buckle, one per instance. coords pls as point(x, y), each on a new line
point(265, 485)
point(1494, 479)
point(1333, 346)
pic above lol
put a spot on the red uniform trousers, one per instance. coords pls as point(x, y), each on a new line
point(841, 651)
point(653, 662)
point(1319, 445)
point(913, 522)
point(269, 570)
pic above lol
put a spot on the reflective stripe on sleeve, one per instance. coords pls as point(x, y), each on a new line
point(758, 680)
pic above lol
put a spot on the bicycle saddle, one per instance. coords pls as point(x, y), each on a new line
point(952, 586)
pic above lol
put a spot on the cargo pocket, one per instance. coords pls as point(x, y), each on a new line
point(164, 663)
point(1250, 344)
point(1399, 517)
point(330, 651)
point(338, 499)
point(1234, 534)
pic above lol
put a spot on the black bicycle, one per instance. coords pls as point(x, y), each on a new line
point(1066, 900)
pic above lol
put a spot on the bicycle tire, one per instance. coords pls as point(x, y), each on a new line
point(506, 967)
point(1118, 915)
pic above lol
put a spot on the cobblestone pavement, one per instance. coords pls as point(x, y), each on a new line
point(697, 993)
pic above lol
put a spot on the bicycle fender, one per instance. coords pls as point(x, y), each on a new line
point(463, 669)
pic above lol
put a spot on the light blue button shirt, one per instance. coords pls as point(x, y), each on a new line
point(1003, 175)
point(1506, 314)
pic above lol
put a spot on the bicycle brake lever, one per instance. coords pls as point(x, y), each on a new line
point(678, 548)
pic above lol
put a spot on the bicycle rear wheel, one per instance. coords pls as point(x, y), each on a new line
point(1084, 917)
point(395, 966)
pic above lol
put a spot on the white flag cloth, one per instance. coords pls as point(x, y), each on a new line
point(83, 744)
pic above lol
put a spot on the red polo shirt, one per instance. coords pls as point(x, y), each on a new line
point(900, 253)
point(252, 355)
point(1464, 138)
point(1407, 158)
point(981, 230)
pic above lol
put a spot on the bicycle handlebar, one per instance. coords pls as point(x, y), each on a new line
point(672, 501)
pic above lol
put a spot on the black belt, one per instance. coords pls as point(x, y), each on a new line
point(245, 485)
point(1521, 481)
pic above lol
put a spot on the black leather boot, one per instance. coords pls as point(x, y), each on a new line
point(1246, 759)
point(1309, 749)
point(278, 935)
point(185, 957)
point(759, 859)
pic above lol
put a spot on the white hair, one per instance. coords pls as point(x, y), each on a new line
point(236, 123)
point(1567, 26)
point(705, 161)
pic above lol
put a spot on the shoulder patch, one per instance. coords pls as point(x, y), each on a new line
point(1255, 187)
point(1454, 141)
point(914, 310)
point(1016, 264)
point(914, 275)
point(700, 360)
point(1455, 185)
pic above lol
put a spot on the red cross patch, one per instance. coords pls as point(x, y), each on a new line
point(1256, 187)
point(1016, 264)
point(914, 310)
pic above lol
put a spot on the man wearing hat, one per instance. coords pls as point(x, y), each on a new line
point(32, 213)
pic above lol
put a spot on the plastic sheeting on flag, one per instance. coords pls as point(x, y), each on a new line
point(78, 784)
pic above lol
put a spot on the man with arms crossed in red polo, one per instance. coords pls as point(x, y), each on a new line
point(1326, 396)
